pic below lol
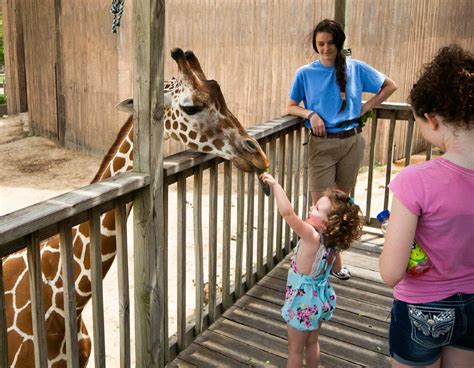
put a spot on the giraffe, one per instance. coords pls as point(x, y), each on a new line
point(195, 113)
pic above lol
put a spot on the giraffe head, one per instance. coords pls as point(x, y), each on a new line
point(196, 114)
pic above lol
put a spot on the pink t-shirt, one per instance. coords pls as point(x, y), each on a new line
point(441, 193)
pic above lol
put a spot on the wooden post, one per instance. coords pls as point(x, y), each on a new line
point(59, 78)
point(340, 12)
point(14, 57)
point(148, 31)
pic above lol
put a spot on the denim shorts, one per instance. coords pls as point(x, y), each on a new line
point(419, 331)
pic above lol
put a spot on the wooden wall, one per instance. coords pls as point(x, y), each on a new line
point(73, 67)
point(399, 36)
point(251, 47)
point(40, 65)
point(14, 52)
point(90, 74)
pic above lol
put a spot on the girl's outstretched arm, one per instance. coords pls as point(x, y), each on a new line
point(398, 239)
point(304, 230)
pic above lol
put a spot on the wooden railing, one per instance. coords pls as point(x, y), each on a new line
point(394, 112)
point(258, 230)
point(29, 226)
point(236, 217)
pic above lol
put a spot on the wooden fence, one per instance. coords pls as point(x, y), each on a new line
point(78, 70)
point(258, 229)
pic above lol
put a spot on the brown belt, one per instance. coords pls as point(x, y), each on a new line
point(344, 134)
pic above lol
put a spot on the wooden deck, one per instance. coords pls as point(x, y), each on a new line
point(253, 334)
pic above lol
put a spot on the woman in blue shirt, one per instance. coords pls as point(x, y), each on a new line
point(331, 91)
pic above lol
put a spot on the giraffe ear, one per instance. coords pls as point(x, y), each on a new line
point(126, 106)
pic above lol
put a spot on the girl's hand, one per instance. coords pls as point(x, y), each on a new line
point(317, 125)
point(268, 179)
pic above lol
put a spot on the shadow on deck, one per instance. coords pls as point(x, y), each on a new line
point(252, 333)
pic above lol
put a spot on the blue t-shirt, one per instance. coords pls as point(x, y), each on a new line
point(315, 84)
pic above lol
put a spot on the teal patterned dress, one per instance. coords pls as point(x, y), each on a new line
point(309, 298)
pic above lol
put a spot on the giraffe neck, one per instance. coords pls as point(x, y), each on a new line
point(118, 160)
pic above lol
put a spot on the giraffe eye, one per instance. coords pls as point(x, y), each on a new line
point(250, 145)
point(191, 110)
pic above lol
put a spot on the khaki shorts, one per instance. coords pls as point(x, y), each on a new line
point(334, 162)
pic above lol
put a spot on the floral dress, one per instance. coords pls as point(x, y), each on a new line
point(309, 298)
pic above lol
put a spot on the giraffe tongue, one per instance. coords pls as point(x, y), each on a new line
point(265, 188)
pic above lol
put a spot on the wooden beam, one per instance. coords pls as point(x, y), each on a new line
point(66, 248)
point(14, 57)
point(59, 77)
point(36, 295)
point(340, 12)
point(18, 224)
point(148, 31)
point(123, 282)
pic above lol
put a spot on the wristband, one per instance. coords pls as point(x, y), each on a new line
point(311, 115)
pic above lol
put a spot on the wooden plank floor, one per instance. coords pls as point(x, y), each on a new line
point(253, 334)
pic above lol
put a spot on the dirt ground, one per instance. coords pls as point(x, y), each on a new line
point(34, 168)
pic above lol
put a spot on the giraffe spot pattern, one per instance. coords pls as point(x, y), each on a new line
point(126, 146)
point(193, 146)
point(203, 138)
point(218, 143)
point(174, 136)
point(184, 138)
point(175, 125)
point(207, 148)
point(192, 134)
point(168, 124)
point(118, 163)
point(183, 127)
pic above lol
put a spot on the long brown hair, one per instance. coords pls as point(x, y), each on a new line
point(338, 36)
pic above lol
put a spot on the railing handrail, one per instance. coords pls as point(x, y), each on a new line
point(15, 225)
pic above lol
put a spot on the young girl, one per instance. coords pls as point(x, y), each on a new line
point(333, 223)
point(432, 323)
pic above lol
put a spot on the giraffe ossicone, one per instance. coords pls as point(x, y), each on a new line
point(195, 114)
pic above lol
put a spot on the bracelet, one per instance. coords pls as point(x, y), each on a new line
point(311, 115)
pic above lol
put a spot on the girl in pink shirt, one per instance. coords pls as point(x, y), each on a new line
point(432, 321)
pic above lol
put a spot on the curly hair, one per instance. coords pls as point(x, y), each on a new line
point(344, 224)
point(446, 87)
point(338, 36)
